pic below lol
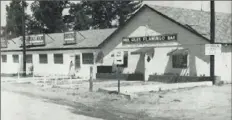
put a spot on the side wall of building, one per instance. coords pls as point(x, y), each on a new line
point(48, 68)
point(223, 64)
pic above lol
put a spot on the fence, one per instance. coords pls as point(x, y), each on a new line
point(44, 78)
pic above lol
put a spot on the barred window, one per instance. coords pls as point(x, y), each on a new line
point(15, 58)
point(58, 58)
point(43, 58)
point(29, 58)
point(4, 58)
point(87, 58)
point(179, 61)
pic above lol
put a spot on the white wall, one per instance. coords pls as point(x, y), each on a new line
point(160, 25)
point(50, 67)
point(223, 64)
point(10, 66)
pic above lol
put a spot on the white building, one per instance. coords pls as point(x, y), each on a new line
point(155, 41)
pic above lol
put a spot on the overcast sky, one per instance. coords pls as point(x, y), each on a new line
point(220, 6)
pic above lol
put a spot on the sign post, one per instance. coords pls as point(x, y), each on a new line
point(118, 60)
point(91, 79)
point(118, 80)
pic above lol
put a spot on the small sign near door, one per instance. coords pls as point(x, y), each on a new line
point(118, 57)
point(212, 49)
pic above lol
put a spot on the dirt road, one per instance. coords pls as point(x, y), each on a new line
point(20, 107)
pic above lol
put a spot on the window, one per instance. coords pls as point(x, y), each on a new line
point(125, 59)
point(4, 58)
point(87, 58)
point(104, 69)
point(58, 58)
point(15, 58)
point(28, 58)
point(179, 61)
point(43, 58)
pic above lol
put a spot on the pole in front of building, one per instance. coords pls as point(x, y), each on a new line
point(212, 39)
point(118, 79)
point(91, 79)
point(24, 44)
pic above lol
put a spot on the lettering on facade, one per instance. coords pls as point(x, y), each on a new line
point(35, 40)
point(148, 39)
point(3, 43)
point(69, 38)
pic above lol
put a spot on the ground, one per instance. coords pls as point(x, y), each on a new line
point(19, 107)
point(199, 103)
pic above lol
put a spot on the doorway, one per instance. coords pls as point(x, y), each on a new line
point(77, 62)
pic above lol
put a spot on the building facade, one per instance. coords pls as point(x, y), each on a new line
point(154, 41)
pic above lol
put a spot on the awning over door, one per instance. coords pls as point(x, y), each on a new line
point(149, 51)
point(178, 52)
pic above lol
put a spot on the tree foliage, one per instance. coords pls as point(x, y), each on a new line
point(48, 15)
point(101, 14)
point(14, 18)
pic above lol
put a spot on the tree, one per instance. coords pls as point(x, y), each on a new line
point(48, 15)
point(125, 9)
point(78, 18)
point(103, 13)
point(14, 18)
point(100, 14)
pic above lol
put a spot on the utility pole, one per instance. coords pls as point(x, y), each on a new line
point(212, 39)
point(24, 43)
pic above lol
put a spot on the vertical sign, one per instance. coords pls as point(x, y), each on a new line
point(118, 57)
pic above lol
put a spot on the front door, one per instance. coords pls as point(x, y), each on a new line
point(77, 62)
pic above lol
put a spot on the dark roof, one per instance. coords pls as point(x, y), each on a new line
point(85, 39)
point(199, 21)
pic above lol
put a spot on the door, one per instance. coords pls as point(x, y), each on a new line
point(77, 62)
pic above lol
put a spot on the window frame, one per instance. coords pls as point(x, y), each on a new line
point(15, 61)
point(87, 59)
point(55, 57)
point(41, 61)
point(177, 58)
point(4, 60)
point(27, 61)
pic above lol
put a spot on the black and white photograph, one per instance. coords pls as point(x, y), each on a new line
point(116, 60)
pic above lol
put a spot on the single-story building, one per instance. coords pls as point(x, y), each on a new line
point(154, 41)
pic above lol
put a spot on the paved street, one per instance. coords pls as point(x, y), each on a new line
point(19, 107)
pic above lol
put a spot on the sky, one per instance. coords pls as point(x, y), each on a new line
point(220, 6)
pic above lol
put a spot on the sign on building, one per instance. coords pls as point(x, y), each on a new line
point(149, 39)
point(3, 43)
point(212, 49)
point(35, 40)
point(69, 37)
point(118, 57)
